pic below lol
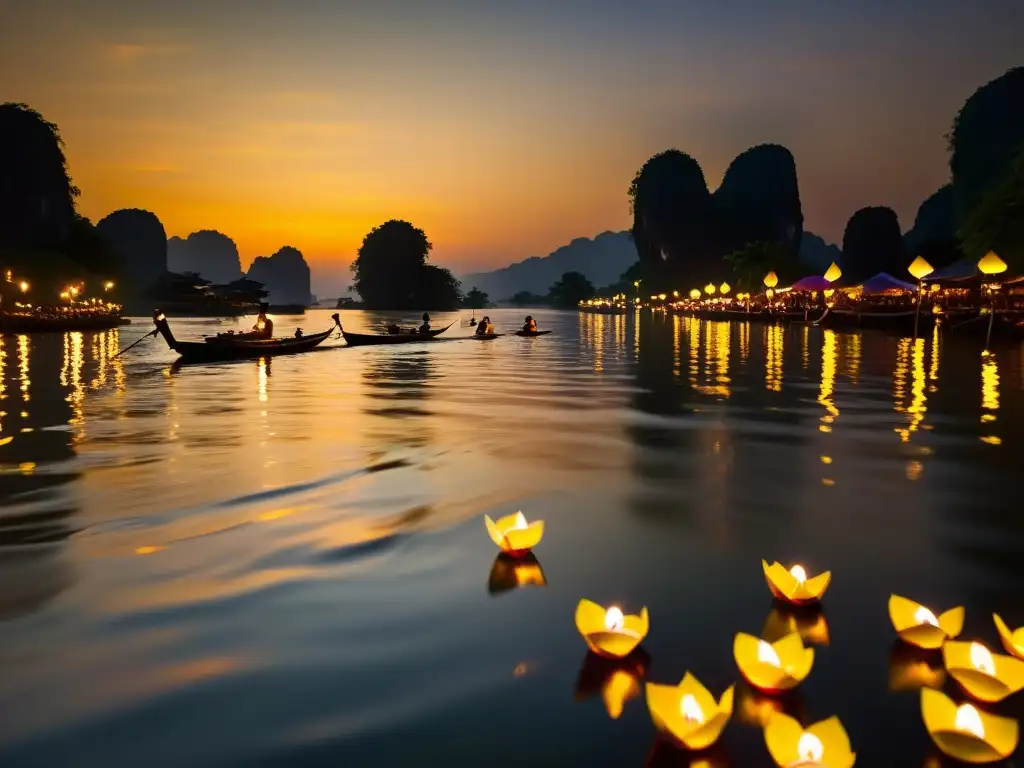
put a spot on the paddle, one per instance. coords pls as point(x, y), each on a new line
point(154, 332)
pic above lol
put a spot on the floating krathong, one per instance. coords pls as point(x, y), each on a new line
point(985, 676)
point(823, 744)
point(1013, 640)
point(513, 535)
point(793, 585)
point(611, 633)
point(966, 733)
point(810, 623)
point(773, 667)
point(617, 680)
point(688, 713)
point(514, 572)
point(918, 626)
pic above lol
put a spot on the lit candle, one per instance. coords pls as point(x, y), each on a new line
point(985, 676)
point(611, 632)
point(966, 733)
point(687, 713)
point(793, 585)
point(918, 625)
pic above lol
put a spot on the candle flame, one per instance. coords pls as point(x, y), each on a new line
point(924, 616)
point(798, 573)
point(810, 748)
point(982, 659)
point(614, 621)
point(690, 710)
point(767, 654)
point(520, 522)
point(969, 721)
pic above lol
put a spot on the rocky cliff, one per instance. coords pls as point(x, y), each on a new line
point(210, 254)
point(285, 275)
point(138, 239)
point(873, 243)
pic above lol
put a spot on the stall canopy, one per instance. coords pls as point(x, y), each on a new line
point(962, 269)
point(811, 283)
point(884, 282)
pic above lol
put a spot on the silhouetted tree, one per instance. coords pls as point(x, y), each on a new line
point(873, 243)
point(754, 261)
point(389, 265)
point(573, 288)
point(527, 299)
point(625, 283)
point(436, 288)
point(285, 274)
point(140, 242)
point(476, 299)
point(37, 198)
point(997, 222)
point(987, 134)
point(209, 253)
point(933, 235)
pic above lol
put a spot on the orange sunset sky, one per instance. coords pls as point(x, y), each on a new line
point(502, 129)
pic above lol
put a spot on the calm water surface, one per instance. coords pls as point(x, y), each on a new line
point(284, 563)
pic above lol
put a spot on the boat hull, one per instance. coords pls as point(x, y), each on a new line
point(202, 352)
point(373, 339)
point(532, 334)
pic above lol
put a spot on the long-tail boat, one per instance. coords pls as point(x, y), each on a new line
point(238, 346)
point(402, 337)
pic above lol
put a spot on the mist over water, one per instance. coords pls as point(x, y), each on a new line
point(283, 562)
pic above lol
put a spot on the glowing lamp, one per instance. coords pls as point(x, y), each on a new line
point(709, 289)
point(985, 676)
point(833, 273)
point(676, 294)
point(793, 585)
point(662, 296)
point(1013, 640)
point(23, 286)
point(636, 283)
point(773, 667)
point(920, 268)
point(688, 713)
point(822, 744)
point(724, 288)
point(73, 290)
point(918, 626)
point(513, 535)
point(610, 633)
point(108, 285)
point(695, 294)
point(965, 733)
point(991, 264)
point(771, 280)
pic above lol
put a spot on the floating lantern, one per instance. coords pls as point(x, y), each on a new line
point(509, 573)
point(611, 633)
point(833, 273)
point(773, 667)
point(966, 733)
point(793, 585)
point(984, 676)
point(811, 625)
point(688, 712)
point(822, 744)
point(771, 280)
point(991, 264)
point(918, 626)
point(1013, 641)
point(513, 535)
point(617, 681)
point(695, 294)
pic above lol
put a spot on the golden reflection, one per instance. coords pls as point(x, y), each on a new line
point(619, 326)
point(784, 620)
point(677, 341)
point(773, 357)
point(23, 377)
point(899, 377)
point(755, 709)
point(805, 346)
point(617, 680)
point(933, 371)
point(113, 348)
point(693, 334)
point(989, 395)
point(829, 346)
point(722, 343)
point(852, 357)
point(149, 549)
point(914, 469)
point(598, 341)
point(916, 409)
point(3, 381)
point(510, 573)
point(76, 360)
point(666, 753)
point(262, 378)
point(744, 342)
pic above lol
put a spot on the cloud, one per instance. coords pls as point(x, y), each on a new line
point(124, 54)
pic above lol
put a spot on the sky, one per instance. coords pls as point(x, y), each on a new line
point(504, 128)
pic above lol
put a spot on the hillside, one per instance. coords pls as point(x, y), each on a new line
point(602, 260)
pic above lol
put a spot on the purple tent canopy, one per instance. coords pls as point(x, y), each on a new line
point(883, 282)
point(810, 283)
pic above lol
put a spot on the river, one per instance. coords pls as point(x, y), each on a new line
point(284, 563)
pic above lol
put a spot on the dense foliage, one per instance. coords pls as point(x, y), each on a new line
point(476, 299)
point(570, 290)
point(997, 221)
point(754, 261)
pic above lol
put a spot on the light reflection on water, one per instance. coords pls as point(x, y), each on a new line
point(282, 562)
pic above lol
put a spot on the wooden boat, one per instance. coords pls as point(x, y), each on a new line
point(487, 336)
point(367, 339)
point(531, 334)
point(219, 348)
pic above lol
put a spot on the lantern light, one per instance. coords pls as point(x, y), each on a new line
point(920, 268)
point(991, 264)
point(771, 280)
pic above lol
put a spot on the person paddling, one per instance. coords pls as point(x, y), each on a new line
point(264, 328)
point(484, 327)
point(530, 326)
point(425, 328)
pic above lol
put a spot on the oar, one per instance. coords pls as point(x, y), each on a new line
point(154, 332)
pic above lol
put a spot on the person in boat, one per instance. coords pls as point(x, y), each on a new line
point(425, 328)
point(484, 327)
point(530, 326)
point(264, 328)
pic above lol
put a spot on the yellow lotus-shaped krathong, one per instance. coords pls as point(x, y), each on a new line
point(822, 744)
point(1013, 640)
point(966, 733)
point(688, 713)
point(793, 585)
point(610, 633)
point(513, 535)
point(773, 667)
point(985, 676)
point(918, 626)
